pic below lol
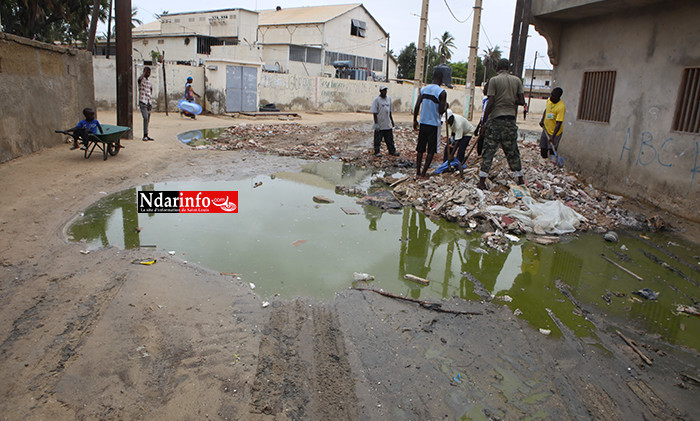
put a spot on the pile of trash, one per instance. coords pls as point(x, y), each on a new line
point(553, 201)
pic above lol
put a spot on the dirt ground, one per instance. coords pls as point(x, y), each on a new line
point(96, 337)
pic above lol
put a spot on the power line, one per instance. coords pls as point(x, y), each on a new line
point(455, 17)
point(487, 36)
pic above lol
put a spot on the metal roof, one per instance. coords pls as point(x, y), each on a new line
point(303, 15)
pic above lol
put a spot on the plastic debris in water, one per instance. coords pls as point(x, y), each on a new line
point(265, 304)
point(646, 293)
point(545, 332)
point(359, 276)
point(252, 285)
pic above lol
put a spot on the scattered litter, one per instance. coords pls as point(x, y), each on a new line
point(257, 184)
point(171, 252)
point(148, 261)
point(103, 192)
point(417, 279)
point(543, 239)
point(457, 379)
point(611, 236)
point(383, 199)
point(297, 243)
point(646, 293)
point(680, 308)
point(517, 312)
point(545, 332)
point(252, 285)
point(506, 298)
point(350, 211)
point(623, 247)
point(322, 199)
point(622, 268)
point(360, 276)
point(265, 304)
point(84, 251)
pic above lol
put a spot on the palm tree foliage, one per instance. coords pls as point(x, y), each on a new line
point(50, 20)
point(446, 45)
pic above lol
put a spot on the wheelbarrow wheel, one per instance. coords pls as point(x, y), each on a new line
point(113, 148)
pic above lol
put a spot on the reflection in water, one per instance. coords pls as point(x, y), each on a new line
point(192, 137)
point(262, 243)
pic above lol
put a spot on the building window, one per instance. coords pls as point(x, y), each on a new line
point(357, 28)
point(687, 118)
point(204, 44)
point(597, 96)
point(161, 41)
point(373, 64)
point(304, 54)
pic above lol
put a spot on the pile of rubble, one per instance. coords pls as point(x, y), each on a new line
point(499, 209)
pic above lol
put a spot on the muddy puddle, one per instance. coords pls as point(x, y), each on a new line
point(288, 245)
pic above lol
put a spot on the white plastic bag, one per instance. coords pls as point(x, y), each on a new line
point(552, 216)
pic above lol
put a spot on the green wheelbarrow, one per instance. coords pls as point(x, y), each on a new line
point(107, 141)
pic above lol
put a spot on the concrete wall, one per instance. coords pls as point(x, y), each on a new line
point(339, 39)
point(174, 47)
point(637, 153)
point(44, 88)
point(176, 75)
point(292, 92)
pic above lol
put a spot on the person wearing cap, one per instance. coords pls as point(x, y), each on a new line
point(462, 132)
point(189, 96)
point(383, 122)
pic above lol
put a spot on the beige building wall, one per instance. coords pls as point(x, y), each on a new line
point(338, 36)
point(219, 23)
point(176, 48)
point(637, 153)
point(45, 88)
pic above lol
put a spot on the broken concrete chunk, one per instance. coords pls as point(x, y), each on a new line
point(322, 199)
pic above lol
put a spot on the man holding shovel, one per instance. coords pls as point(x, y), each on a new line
point(551, 123)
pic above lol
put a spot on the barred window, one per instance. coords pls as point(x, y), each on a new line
point(687, 118)
point(597, 96)
point(304, 54)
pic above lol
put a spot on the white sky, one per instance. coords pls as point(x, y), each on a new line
point(396, 17)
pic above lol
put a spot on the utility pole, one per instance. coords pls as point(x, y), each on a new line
point(122, 14)
point(471, 67)
point(388, 57)
point(532, 81)
point(420, 68)
point(518, 41)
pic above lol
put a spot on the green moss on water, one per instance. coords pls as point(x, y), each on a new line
point(258, 243)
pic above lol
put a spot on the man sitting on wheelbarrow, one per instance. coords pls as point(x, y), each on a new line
point(84, 128)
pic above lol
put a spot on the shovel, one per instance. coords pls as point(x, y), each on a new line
point(560, 159)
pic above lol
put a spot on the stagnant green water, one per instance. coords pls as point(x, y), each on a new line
point(286, 244)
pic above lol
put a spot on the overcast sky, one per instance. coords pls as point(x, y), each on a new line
point(398, 17)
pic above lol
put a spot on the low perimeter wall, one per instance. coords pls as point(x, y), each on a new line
point(44, 88)
point(105, 74)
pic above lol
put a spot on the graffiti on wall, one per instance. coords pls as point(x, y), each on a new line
point(651, 152)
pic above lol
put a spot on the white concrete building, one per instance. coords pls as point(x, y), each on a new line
point(196, 36)
point(307, 40)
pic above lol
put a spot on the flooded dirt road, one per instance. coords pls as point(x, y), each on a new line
point(93, 336)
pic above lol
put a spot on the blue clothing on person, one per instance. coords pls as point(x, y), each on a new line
point(90, 126)
point(429, 113)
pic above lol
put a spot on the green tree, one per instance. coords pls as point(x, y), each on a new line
point(50, 20)
point(491, 57)
point(460, 68)
point(407, 61)
point(446, 45)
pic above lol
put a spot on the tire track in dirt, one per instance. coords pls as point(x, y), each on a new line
point(301, 379)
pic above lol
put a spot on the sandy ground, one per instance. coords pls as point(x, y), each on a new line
point(96, 337)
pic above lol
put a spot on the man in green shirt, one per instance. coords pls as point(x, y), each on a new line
point(505, 93)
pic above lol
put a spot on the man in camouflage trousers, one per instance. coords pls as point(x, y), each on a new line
point(505, 93)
